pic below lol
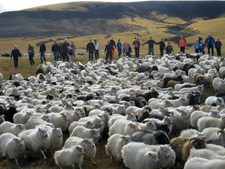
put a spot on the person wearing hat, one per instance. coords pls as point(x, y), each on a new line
point(15, 54)
point(65, 48)
point(96, 49)
point(70, 53)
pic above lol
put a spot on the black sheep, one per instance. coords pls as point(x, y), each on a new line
point(220, 94)
point(150, 137)
point(187, 67)
point(194, 98)
point(8, 113)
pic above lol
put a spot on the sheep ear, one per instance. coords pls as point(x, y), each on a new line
point(150, 154)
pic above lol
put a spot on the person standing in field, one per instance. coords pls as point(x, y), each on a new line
point(55, 50)
point(90, 49)
point(113, 43)
point(42, 51)
point(108, 49)
point(96, 49)
point(201, 48)
point(169, 49)
point(199, 38)
point(150, 43)
point(196, 46)
point(218, 45)
point(182, 44)
point(119, 47)
point(70, 53)
point(136, 47)
point(161, 47)
point(124, 45)
point(65, 46)
point(128, 50)
point(15, 54)
point(31, 54)
point(61, 50)
point(210, 42)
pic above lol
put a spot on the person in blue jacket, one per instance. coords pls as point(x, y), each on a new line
point(196, 46)
point(210, 43)
point(119, 47)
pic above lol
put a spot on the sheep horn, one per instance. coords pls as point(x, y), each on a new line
point(223, 118)
point(192, 139)
point(220, 131)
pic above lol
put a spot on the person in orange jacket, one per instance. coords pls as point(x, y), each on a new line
point(182, 44)
point(113, 43)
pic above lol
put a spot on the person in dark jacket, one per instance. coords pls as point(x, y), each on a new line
point(199, 38)
point(90, 49)
point(113, 43)
point(31, 54)
point(150, 43)
point(128, 50)
point(169, 49)
point(42, 52)
point(161, 46)
point(55, 50)
point(65, 48)
point(15, 54)
point(218, 45)
point(210, 43)
point(108, 49)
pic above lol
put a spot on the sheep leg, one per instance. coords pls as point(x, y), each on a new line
point(112, 158)
point(93, 162)
point(42, 152)
point(79, 165)
point(17, 163)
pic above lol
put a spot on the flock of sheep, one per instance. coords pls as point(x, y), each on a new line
point(149, 109)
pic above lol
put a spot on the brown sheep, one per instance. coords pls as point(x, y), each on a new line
point(198, 78)
point(172, 83)
point(182, 146)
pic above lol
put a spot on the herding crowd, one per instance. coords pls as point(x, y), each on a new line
point(66, 52)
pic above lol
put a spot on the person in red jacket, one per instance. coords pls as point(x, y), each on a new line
point(182, 44)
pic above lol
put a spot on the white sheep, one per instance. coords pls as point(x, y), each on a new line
point(87, 144)
point(218, 84)
point(189, 133)
point(70, 157)
point(158, 104)
point(56, 139)
point(214, 101)
point(83, 132)
point(87, 124)
point(205, 153)
point(114, 117)
point(222, 72)
point(59, 120)
point(148, 126)
point(206, 122)
point(124, 127)
point(179, 102)
point(200, 163)
point(35, 121)
point(96, 120)
point(198, 88)
point(218, 149)
point(36, 140)
point(137, 156)
point(196, 115)
point(11, 146)
point(115, 144)
point(22, 117)
point(11, 128)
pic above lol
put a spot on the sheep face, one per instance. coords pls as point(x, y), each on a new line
point(89, 143)
point(152, 156)
point(165, 151)
point(95, 133)
point(151, 126)
point(215, 113)
point(45, 117)
point(78, 150)
point(43, 132)
point(58, 132)
point(99, 121)
point(198, 143)
point(21, 127)
point(65, 117)
point(18, 142)
point(131, 117)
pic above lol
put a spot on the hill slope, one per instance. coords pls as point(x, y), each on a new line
point(85, 18)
